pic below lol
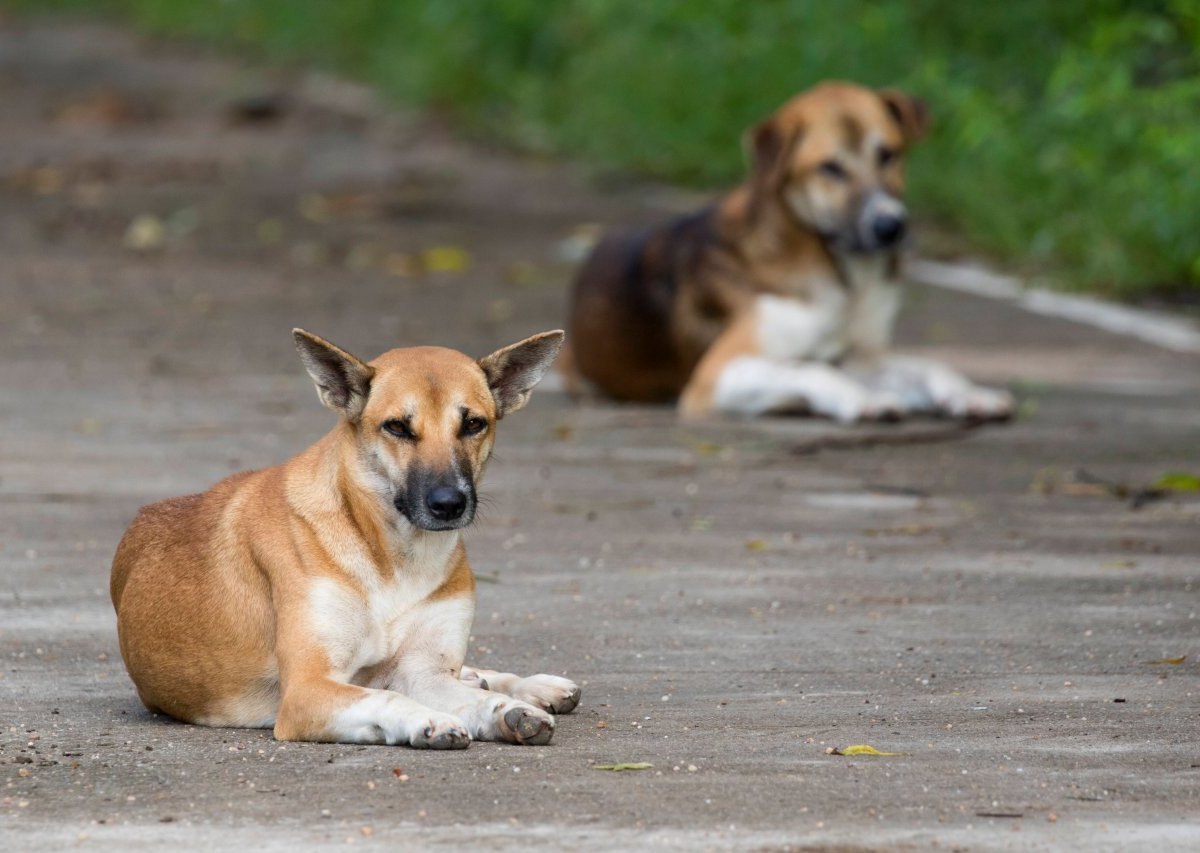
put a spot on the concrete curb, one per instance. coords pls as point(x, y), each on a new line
point(1153, 327)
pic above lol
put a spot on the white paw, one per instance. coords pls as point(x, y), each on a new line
point(471, 678)
point(548, 692)
point(978, 403)
point(519, 722)
point(439, 731)
point(854, 406)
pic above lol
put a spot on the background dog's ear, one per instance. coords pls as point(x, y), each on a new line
point(513, 372)
point(766, 147)
point(912, 114)
point(343, 381)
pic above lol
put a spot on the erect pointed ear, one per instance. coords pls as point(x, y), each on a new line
point(912, 114)
point(767, 146)
point(512, 372)
point(343, 381)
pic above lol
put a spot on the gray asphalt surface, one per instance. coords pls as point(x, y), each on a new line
point(736, 599)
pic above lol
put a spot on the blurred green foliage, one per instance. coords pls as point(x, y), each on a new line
point(1066, 133)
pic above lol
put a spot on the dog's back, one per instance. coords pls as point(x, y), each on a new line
point(628, 334)
point(174, 574)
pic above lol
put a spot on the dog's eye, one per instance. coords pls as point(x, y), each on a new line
point(399, 428)
point(833, 169)
point(473, 426)
point(887, 155)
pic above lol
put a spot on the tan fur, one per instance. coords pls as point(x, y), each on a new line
point(661, 314)
point(254, 603)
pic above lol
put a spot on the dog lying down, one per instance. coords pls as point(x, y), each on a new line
point(782, 296)
point(330, 597)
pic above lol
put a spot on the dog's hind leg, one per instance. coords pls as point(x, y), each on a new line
point(548, 692)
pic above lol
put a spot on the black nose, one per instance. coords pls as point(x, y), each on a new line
point(888, 229)
point(446, 503)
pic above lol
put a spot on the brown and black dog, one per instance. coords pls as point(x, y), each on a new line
point(330, 597)
point(781, 296)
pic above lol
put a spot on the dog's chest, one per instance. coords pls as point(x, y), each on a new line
point(832, 317)
point(360, 629)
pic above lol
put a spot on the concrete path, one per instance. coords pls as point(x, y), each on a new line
point(737, 599)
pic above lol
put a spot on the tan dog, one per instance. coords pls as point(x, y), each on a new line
point(782, 296)
point(330, 597)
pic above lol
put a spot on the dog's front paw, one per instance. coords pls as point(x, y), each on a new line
point(548, 692)
point(853, 407)
point(977, 403)
point(440, 731)
point(524, 724)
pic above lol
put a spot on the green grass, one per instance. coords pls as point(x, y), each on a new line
point(1066, 134)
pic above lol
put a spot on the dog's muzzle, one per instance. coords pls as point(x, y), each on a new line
point(443, 506)
point(446, 503)
point(882, 223)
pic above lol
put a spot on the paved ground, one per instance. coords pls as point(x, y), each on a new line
point(737, 599)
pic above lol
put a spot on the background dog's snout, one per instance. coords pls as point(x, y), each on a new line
point(446, 503)
point(888, 228)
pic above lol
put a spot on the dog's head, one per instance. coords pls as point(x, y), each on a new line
point(423, 419)
point(833, 158)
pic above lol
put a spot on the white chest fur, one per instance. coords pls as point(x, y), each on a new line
point(361, 629)
point(833, 318)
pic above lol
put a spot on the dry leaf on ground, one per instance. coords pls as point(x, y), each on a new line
point(445, 259)
point(861, 749)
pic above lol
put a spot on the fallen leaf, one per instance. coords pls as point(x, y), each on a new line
point(314, 207)
point(899, 530)
point(706, 448)
point(145, 232)
point(1044, 481)
point(270, 231)
point(1177, 481)
point(46, 180)
point(441, 259)
point(620, 768)
point(862, 749)
point(756, 545)
point(103, 108)
point(525, 274)
point(1121, 564)
point(1085, 489)
point(401, 265)
point(1169, 661)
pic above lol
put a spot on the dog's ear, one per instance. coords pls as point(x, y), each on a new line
point(513, 372)
point(767, 145)
point(912, 114)
point(343, 381)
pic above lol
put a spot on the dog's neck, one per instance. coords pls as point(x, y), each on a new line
point(769, 236)
point(367, 535)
